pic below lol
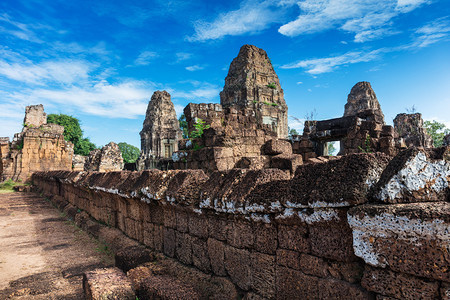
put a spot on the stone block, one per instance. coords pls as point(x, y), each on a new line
point(183, 249)
point(218, 228)
point(415, 175)
point(266, 238)
point(200, 257)
point(238, 267)
point(293, 238)
point(286, 162)
point(288, 258)
point(263, 274)
point(198, 226)
point(216, 251)
point(409, 238)
point(320, 185)
point(169, 242)
point(241, 235)
point(330, 236)
point(158, 238)
point(166, 287)
point(275, 147)
point(170, 219)
point(398, 285)
point(130, 257)
point(182, 221)
point(149, 235)
point(107, 283)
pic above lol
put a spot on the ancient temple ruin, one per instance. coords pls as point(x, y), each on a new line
point(252, 111)
point(362, 129)
point(39, 147)
point(160, 133)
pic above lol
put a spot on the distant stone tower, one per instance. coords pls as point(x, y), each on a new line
point(252, 83)
point(160, 133)
point(362, 101)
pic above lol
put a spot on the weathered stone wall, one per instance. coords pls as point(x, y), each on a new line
point(358, 227)
point(39, 147)
point(107, 159)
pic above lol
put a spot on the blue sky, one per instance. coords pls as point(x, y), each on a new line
point(100, 61)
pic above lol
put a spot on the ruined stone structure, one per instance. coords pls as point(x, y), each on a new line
point(362, 226)
point(251, 113)
point(410, 131)
point(361, 129)
point(361, 99)
point(39, 147)
point(160, 134)
point(252, 83)
point(107, 159)
point(78, 162)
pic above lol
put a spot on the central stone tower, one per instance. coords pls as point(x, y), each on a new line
point(160, 133)
point(252, 83)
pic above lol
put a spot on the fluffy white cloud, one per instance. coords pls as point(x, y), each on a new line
point(252, 16)
point(366, 19)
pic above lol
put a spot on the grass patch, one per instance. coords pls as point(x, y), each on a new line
point(7, 186)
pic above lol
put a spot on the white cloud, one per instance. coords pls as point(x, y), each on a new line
point(296, 123)
point(181, 56)
point(19, 30)
point(366, 19)
point(432, 32)
point(178, 109)
point(194, 68)
point(299, 82)
point(145, 58)
point(328, 64)
point(252, 16)
point(60, 71)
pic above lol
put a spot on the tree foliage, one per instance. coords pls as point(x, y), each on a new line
point(130, 153)
point(73, 133)
point(437, 131)
point(183, 126)
point(199, 126)
point(292, 131)
point(331, 148)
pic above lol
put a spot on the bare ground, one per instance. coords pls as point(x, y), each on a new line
point(42, 255)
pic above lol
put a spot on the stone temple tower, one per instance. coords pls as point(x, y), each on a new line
point(252, 83)
point(160, 133)
point(362, 101)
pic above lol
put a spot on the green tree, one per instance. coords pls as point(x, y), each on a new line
point(73, 133)
point(291, 132)
point(437, 131)
point(183, 126)
point(130, 153)
point(331, 148)
point(199, 126)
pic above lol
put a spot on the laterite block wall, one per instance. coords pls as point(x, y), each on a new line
point(360, 227)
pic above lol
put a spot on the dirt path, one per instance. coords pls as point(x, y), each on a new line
point(42, 255)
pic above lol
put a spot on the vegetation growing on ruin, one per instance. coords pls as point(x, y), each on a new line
point(437, 131)
point(199, 127)
point(366, 148)
point(272, 85)
point(130, 153)
point(73, 133)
